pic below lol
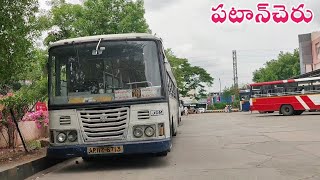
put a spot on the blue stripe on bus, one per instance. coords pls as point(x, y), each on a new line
point(143, 147)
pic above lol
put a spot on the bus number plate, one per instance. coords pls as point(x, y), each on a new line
point(156, 112)
point(105, 150)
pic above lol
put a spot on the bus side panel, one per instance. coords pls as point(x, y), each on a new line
point(312, 101)
point(262, 104)
point(275, 103)
point(291, 100)
point(174, 109)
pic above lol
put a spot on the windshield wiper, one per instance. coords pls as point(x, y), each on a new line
point(98, 45)
point(98, 50)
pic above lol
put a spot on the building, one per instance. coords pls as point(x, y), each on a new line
point(309, 50)
point(215, 97)
point(202, 103)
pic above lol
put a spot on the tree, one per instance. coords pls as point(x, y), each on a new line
point(19, 61)
point(232, 91)
point(286, 66)
point(189, 77)
point(17, 30)
point(20, 98)
point(95, 17)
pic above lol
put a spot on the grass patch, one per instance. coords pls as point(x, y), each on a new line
point(33, 145)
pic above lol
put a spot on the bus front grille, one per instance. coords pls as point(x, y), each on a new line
point(104, 125)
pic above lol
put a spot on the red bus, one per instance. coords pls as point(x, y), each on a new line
point(289, 97)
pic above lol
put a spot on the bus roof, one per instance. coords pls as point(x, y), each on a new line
point(130, 36)
point(285, 81)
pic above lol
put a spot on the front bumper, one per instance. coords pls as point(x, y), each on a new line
point(142, 147)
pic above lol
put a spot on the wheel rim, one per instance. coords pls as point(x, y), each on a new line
point(287, 109)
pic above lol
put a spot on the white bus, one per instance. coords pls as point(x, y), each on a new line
point(111, 95)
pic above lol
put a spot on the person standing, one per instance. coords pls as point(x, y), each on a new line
point(229, 108)
point(186, 111)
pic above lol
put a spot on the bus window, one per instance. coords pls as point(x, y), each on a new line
point(255, 91)
point(267, 90)
point(291, 88)
point(304, 87)
point(316, 86)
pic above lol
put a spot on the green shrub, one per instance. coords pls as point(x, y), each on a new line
point(236, 104)
point(33, 145)
point(220, 105)
point(210, 107)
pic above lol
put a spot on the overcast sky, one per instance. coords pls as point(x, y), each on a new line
point(186, 27)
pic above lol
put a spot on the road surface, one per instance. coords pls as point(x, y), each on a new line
point(233, 146)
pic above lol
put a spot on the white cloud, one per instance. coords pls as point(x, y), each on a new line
point(45, 4)
point(155, 5)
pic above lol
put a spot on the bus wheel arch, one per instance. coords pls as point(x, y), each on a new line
point(287, 110)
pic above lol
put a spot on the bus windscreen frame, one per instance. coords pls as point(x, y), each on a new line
point(135, 66)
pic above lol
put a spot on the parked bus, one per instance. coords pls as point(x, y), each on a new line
point(111, 95)
point(289, 97)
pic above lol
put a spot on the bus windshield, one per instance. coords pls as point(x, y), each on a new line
point(104, 71)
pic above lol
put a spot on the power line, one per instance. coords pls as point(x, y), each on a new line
point(255, 50)
point(192, 57)
point(240, 54)
point(258, 55)
point(209, 60)
point(245, 50)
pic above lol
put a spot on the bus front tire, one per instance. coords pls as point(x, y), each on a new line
point(174, 132)
point(287, 110)
point(162, 154)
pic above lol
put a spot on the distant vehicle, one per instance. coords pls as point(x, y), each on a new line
point(193, 110)
point(289, 97)
point(201, 110)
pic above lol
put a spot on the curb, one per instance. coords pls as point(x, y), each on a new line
point(221, 111)
point(28, 169)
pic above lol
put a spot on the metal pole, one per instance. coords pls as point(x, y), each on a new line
point(220, 85)
point(16, 123)
point(235, 69)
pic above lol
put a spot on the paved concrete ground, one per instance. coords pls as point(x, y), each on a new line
point(235, 146)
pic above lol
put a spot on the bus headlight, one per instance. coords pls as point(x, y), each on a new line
point(61, 137)
point(149, 131)
point(72, 136)
point(137, 132)
point(161, 129)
